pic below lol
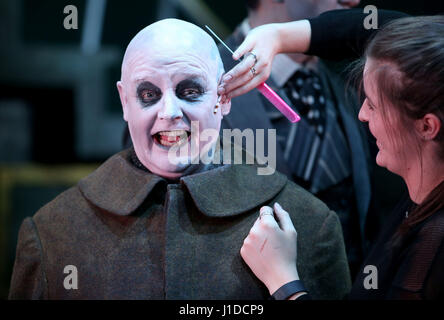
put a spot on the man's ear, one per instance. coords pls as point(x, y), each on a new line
point(123, 99)
point(428, 126)
point(225, 107)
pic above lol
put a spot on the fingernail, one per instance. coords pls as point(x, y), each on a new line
point(228, 78)
point(265, 209)
point(221, 90)
point(278, 205)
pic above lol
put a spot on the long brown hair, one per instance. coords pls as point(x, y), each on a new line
point(410, 52)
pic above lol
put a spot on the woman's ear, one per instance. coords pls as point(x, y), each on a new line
point(428, 126)
point(123, 100)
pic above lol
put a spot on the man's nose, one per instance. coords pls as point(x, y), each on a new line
point(348, 3)
point(170, 109)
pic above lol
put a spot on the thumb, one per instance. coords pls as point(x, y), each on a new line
point(284, 218)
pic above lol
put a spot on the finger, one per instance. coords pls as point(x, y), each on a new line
point(221, 89)
point(240, 81)
point(263, 210)
point(243, 67)
point(267, 217)
point(223, 99)
point(256, 223)
point(251, 55)
point(244, 89)
point(284, 218)
point(248, 80)
point(245, 46)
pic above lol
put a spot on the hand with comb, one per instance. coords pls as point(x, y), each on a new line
point(265, 42)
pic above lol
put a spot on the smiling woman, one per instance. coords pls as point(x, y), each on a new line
point(404, 74)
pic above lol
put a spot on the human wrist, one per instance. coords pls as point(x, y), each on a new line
point(294, 37)
point(281, 280)
point(297, 295)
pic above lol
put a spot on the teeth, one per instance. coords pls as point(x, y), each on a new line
point(174, 133)
point(171, 138)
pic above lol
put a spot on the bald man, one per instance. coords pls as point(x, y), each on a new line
point(166, 219)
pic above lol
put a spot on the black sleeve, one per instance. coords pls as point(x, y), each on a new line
point(340, 34)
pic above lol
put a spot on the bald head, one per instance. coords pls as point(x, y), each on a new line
point(169, 82)
point(170, 39)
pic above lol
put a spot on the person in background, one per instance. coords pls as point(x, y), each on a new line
point(403, 84)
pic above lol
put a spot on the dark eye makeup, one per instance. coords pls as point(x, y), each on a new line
point(190, 90)
point(148, 93)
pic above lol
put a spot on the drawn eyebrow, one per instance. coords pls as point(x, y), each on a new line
point(190, 82)
point(147, 85)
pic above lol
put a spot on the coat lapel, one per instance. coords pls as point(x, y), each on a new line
point(233, 189)
point(120, 196)
point(221, 192)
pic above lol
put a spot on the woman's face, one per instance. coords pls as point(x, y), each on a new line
point(395, 152)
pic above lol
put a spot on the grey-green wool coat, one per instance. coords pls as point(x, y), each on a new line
point(132, 235)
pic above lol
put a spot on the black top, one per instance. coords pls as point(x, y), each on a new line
point(340, 34)
point(410, 270)
point(413, 268)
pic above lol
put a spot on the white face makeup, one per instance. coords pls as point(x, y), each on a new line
point(169, 80)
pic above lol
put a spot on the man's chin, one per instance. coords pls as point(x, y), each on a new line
point(173, 162)
point(169, 171)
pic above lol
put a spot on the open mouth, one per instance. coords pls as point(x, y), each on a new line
point(172, 138)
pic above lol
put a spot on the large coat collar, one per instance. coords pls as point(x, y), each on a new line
point(120, 188)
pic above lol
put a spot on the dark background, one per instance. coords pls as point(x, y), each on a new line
point(60, 113)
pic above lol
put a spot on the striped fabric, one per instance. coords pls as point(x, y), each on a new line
point(315, 147)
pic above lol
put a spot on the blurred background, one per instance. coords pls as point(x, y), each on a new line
point(60, 114)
